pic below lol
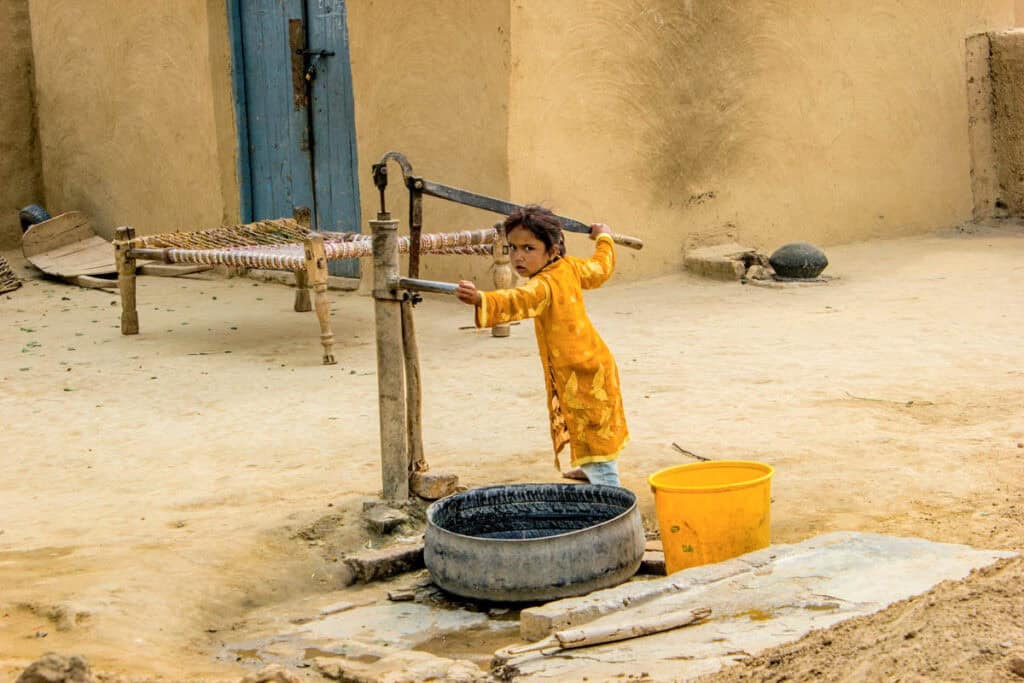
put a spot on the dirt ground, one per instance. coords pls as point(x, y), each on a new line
point(153, 485)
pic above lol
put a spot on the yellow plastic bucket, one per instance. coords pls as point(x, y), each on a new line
point(711, 511)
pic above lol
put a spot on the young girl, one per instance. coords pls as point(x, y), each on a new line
point(584, 401)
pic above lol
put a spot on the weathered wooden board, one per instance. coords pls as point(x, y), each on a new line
point(66, 246)
point(172, 269)
point(92, 282)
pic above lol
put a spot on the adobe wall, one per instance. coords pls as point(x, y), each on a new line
point(138, 127)
point(685, 123)
point(20, 181)
point(135, 112)
point(431, 80)
point(689, 123)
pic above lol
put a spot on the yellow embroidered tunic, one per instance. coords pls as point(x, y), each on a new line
point(584, 399)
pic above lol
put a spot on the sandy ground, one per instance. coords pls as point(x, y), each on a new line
point(960, 631)
point(152, 485)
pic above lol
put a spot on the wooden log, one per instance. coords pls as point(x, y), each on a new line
point(413, 392)
point(502, 274)
point(585, 636)
point(126, 279)
point(91, 282)
point(390, 360)
point(316, 268)
point(595, 635)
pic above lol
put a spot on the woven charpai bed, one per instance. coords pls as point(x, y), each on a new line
point(280, 244)
point(8, 280)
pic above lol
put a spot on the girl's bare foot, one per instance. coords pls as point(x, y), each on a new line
point(575, 473)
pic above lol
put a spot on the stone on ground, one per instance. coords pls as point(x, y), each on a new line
point(652, 563)
point(54, 668)
point(433, 485)
point(383, 519)
point(386, 562)
point(798, 260)
point(274, 673)
point(408, 666)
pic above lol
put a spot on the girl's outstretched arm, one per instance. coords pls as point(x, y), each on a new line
point(596, 270)
point(505, 305)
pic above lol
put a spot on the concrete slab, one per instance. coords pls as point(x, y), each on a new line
point(541, 621)
point(783, 593)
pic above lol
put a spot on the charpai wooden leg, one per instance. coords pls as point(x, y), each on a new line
point(502, 274)
point(126, 279)
point(302, 302)
point(316, 271)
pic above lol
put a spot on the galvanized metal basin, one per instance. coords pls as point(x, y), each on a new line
point(533, 542)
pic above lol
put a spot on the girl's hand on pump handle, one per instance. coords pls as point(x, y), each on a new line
point(467, 293)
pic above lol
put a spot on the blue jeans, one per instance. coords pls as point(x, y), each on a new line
point(606, 473)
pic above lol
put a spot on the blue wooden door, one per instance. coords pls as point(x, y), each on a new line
point(296, 108)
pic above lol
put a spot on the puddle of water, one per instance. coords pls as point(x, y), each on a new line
point(244, 655)
point(314, 652)
point(477, 643)
point(403, 624)
point(766, 615)
point(757, 615)
point(822, 606)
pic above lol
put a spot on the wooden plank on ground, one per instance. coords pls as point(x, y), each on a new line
point(172, 269)
point(66, 246)
point(59, 231)
point(90, 282)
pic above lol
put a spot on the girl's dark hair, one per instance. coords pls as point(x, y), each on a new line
point(544, 225)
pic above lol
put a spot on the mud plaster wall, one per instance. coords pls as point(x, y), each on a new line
point(692, 122)
point(20, 181)
point(1007, 69)
point(431, 80)
point(135, 112)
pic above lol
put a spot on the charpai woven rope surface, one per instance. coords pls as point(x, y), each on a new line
point(8, 281)
point(279, 231)
point(277, 245)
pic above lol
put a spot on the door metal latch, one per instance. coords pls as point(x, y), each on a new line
point(314, 56)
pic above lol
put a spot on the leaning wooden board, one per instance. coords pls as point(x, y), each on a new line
point(66, 246)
